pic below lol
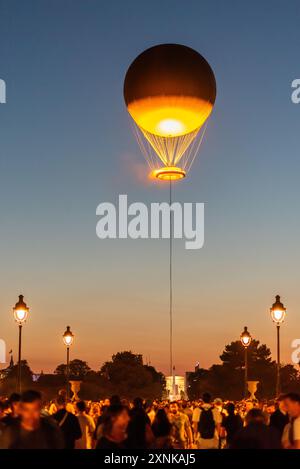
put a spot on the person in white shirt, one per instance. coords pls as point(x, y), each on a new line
point(87, 426)
point(206, 424)
point(291, 432)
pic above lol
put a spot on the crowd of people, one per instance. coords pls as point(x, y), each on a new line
point(26, 422)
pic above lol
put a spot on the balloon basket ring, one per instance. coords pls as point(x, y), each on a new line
point(169, 173)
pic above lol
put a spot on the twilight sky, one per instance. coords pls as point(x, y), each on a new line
point(66, 145)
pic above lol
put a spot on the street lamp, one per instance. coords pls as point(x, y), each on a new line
point(68, 339)
point(278, 312)
point(246, 341)
point(20, 314)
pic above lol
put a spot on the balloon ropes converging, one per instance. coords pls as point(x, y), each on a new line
point(169, 91)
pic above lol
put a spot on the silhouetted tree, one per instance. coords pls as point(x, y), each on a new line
point(290, 379)
point(129, 377)
point(227, 380)
point(234, 355)
point(261, 367)
point(78, 368)
point(9, 382)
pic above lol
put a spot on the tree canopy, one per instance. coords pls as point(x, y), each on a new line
point(227, 379)
point(8, 383)
point(78, 368)
point(129, 377)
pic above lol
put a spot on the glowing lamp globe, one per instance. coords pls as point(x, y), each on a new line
point(68, 337)
point(278, 311)
point(246, 338)
point(20, 311)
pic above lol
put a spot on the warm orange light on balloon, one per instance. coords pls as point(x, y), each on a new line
point(170, 116)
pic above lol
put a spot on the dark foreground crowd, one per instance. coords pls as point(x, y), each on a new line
point(27, 423)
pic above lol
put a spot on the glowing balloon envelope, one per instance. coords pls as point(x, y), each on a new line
point(169, 91)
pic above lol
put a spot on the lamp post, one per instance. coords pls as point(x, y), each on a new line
point(246, 341)
point(278, 312)
point(20, 311)
point(68, 339)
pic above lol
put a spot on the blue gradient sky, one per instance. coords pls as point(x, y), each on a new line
point(66, 145)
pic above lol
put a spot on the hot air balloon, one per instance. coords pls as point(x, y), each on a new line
point(169, 91)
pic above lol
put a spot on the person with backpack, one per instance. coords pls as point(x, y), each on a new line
point(68, 423)
point(207, 424)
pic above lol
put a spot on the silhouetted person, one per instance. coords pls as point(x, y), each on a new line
point(31, 431)
point(207, 424)
point(115, 422)
point(67, 422)
point(279, 419)
point(2, 416)
point(14, 404)
point(161, 429)
point(291, 433)
point(139, 433)
point(115, 400)
point(232, 423)
point(87, 426)
point(256, 434)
